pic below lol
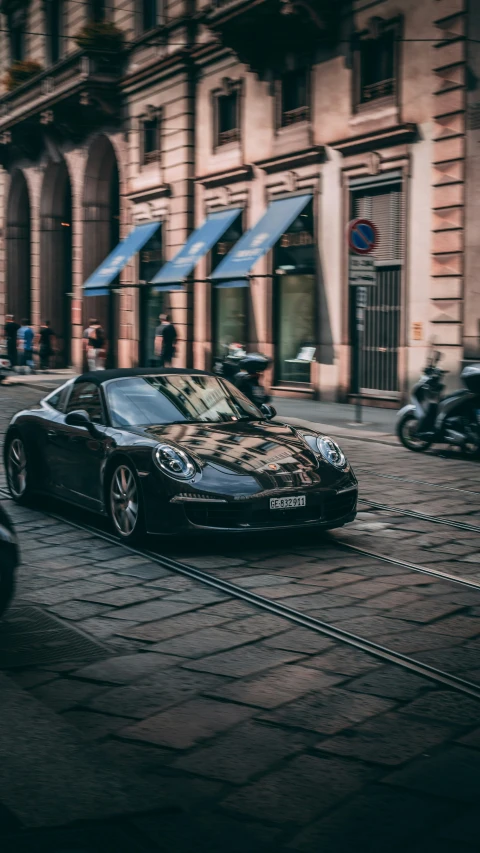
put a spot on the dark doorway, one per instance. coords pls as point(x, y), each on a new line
point(101, 233)
point(56, 257)
point(18, 299)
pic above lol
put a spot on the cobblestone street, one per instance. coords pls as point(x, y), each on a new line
point(144, 710)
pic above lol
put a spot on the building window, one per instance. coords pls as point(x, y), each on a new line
point(376, 67)
point(97, 10)
point(294, 98)
point(228, 118)
point(151, 139)
point(16, 28)
point(54, 28)
point(149, 14)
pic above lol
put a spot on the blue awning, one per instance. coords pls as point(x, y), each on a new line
point(99, 281)
point(232, 282)
point(197, 245)
point(163, 288)
point(259, 240)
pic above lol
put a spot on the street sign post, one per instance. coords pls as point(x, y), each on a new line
point(362, 237)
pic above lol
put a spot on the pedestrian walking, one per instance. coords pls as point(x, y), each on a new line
point(158, 341)
point(169, 341)
point(95, 345)
point(25, 338)
point(10, 331)
point(46, 340)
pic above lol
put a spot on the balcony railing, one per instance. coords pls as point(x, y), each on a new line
point(294, 116)
point(225, 136)
point(382, 89)
point(77, 73)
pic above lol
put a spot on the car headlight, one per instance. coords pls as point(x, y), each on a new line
point(331, 452)
point(174, 462)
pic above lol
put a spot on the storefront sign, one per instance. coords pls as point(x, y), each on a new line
point(299, 238)
point(362, 272)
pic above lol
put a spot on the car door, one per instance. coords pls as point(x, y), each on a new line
point(78, 454)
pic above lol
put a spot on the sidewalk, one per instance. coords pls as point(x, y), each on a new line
point(378, 424)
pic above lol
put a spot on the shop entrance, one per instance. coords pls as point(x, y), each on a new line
point(229, 304)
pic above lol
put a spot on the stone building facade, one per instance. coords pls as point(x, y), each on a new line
point(367, 109)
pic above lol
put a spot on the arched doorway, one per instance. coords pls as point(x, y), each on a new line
point(56, 256)
point(18, 297)
point(101, 233)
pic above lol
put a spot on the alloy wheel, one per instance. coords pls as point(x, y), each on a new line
point(124, 503)
point(17, 468)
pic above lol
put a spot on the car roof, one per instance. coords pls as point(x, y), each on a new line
point(100, 376)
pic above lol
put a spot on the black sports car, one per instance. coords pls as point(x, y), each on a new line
point(161, 451)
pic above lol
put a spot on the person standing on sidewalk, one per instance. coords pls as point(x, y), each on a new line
point(95, 343)
point(46, 339)
point(10, 331)
point(169, 340)
point(25, 338)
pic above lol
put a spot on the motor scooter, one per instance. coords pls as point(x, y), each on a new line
point(227, 365)
point(432, 418)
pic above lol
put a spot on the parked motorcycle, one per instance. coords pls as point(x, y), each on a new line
point(432, 418)
point(227, 365)
point(248, 379)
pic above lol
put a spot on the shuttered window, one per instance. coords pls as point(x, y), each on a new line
point(384, 206)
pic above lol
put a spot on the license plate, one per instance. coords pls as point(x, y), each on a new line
point(287, 503)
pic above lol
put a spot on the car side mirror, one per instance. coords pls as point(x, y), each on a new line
point(269, 411)
point(79, 418)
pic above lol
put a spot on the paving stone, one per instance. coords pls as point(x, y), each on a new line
point(453, 774)
point(328, 712)
point(251, 581)
point(112, 578)
point(246, 751)
point(300, 791)
point(95, 726)
point(300, 640)
point(461, 626)
point(446, 707)
point(390, 739)
point(373, 821)
point(208, 832)
point(465, 828)
point(244, 661)
point(372, 626)
point(471, 739)
point(125, 669)
point(345, 661)
point(426, 612)
point(319, 600)
point(122, 597)
point(149, 611)
point(184, 725)
point(147, 696)
point(173, 627)
point(232, 609)
point(76, 610)
point(199, 595)
point(102, 627)
point(415, 641)
point(144, 571)
point(456, 659)
point(263, 625)
point(276, 687)
point(64, 592)
point(64, 693)
point(392, 682)
point(202, 642)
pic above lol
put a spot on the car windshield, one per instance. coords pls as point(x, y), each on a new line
point(176, 398)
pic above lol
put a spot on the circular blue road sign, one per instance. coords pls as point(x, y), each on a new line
point(362, 236)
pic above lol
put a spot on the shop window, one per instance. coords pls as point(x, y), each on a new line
point(294, 97)
point(151, 139)
point(376, 63)
point(149, 14)
point(16, 32)
point(229, 304)
point(97, 10)
point(295, 300)
point(54, 28)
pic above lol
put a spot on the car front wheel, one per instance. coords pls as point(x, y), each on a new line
point(125, 503)
point(18, 474)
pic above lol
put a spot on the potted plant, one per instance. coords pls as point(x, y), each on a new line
point(20, 71)
point(100, 37)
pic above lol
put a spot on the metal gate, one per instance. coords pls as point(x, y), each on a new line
point(377, 370)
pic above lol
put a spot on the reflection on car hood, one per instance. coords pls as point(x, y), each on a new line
point(275, 454)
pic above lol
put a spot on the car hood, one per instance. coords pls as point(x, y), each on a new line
point(275, 455)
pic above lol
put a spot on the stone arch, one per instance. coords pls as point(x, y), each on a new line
point(101, 232)
point(56, 256)
point(18, 266)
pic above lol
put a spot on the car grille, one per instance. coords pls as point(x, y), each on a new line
point(244, 515)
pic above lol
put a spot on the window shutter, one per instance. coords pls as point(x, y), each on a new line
point(385, 207)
